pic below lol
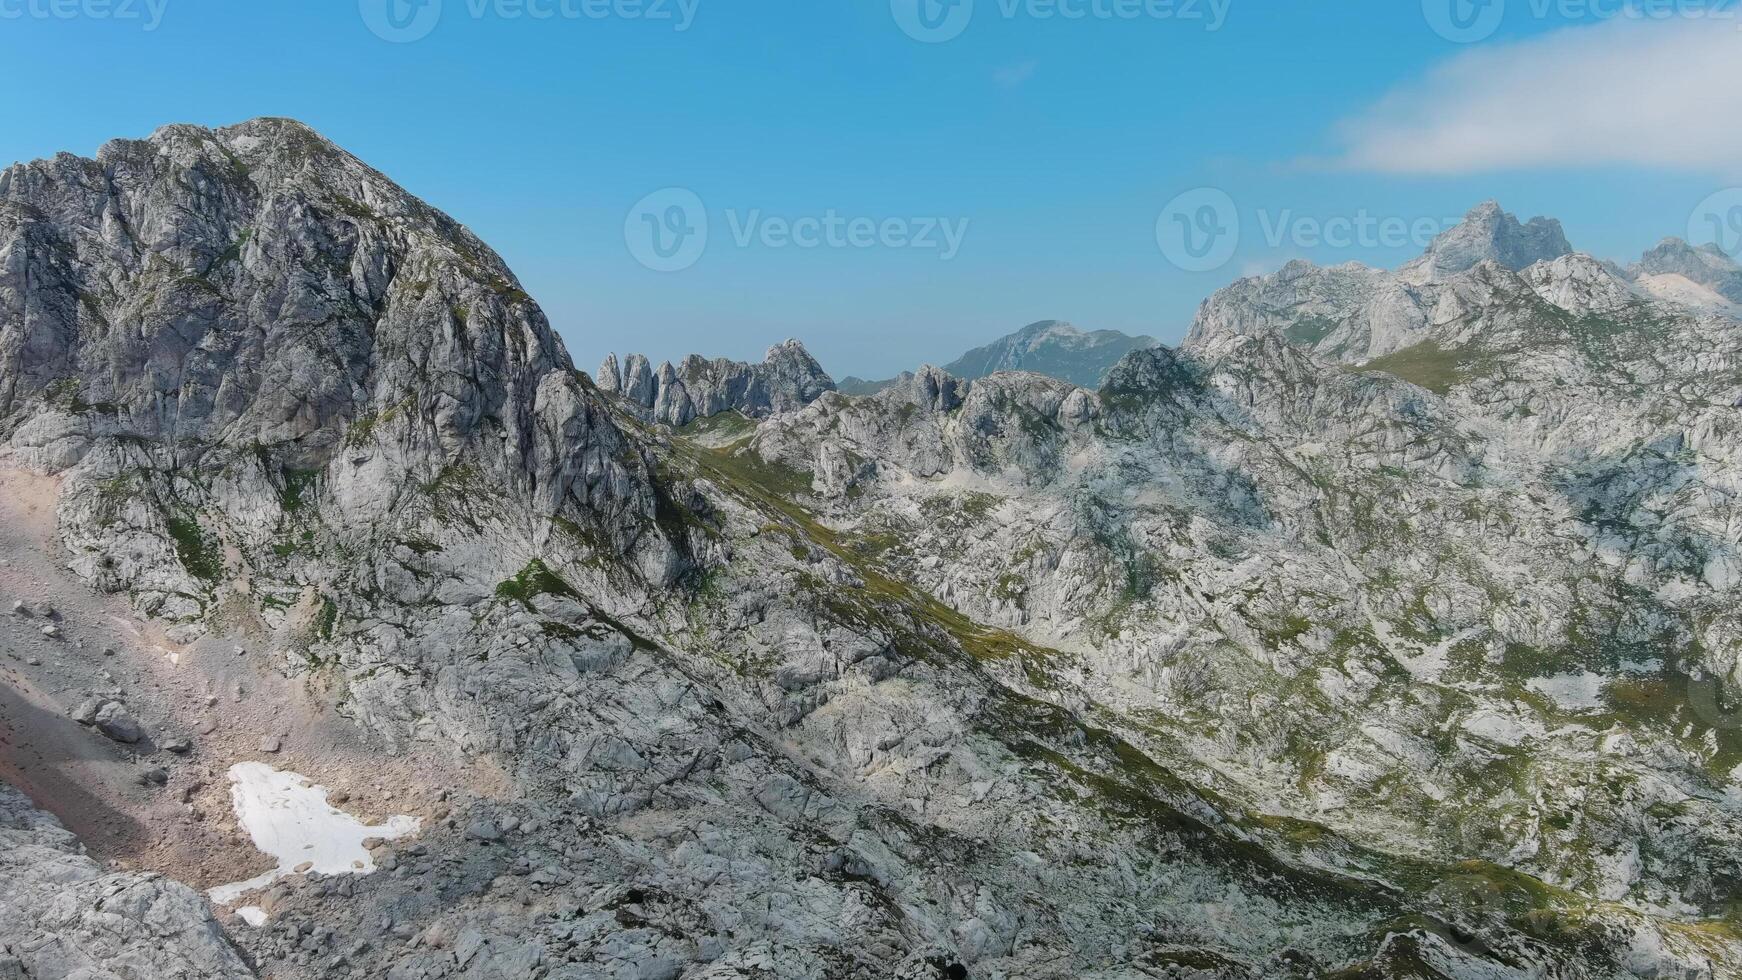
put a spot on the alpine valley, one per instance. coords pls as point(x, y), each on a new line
point(1388, 628)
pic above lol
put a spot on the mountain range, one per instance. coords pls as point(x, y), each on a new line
point(1387, 628)
point(1050, 347)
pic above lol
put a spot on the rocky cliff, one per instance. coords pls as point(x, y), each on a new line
point(788, 379)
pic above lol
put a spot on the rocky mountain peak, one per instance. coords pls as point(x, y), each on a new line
point(1053, 348)
point(1706, 266)
point(788, 379)
point(255, 292)
point(1042, 331)
point(1489, 233)
point(1050, 347)
point(795, 375)
point(255, 284)
point(1580, 284)
point(1673, 249)
point(1490, 276)
point(1152, 374)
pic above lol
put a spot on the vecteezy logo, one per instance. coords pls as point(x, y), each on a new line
point(1712, 704)
point(1718, 219)
point(667, 231)
point(401, 21)
point(1472, 907)
point(1464, 21)
point(932, 21)
point(1199, 230)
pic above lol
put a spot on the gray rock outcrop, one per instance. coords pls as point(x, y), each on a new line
point(787, 380)
point(64, 918)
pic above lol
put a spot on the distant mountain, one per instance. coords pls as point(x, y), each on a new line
point(1489, 234)
point(1050, 347)
point(1354, 314)
point(1667, 269)
point(859, 386)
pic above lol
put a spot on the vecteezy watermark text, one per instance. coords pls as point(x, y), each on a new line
point(834, 230)
point(937, 21)
point(1718, 220)
point(668, 231)
point(1201, 229)
point(148, 14)
point(404, 21)
point(1471, 21)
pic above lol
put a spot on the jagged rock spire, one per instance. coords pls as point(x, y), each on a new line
point(786, 381)
point(610, 377)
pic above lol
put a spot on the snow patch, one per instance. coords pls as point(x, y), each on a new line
point(289, 818)
point(254, 915)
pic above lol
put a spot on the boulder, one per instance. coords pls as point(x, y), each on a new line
point(118, 724)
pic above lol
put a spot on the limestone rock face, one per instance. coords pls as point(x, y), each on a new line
point(788, 379)
point(1580, 285)
point(931, 389)
point(1349, 311)
point(254, 285)
point(610, 376)
point(62, 917)
point(256, 295)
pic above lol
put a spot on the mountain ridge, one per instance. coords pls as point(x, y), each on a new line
point(1354, 314)
point(788, 379)
point(1249, 662)
point(1050, 347)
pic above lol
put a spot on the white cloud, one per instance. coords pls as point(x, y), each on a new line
point(1657, 93)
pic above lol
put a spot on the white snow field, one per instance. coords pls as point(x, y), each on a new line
point(289, 818)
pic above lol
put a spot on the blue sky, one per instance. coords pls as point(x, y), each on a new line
point(1054, 145)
